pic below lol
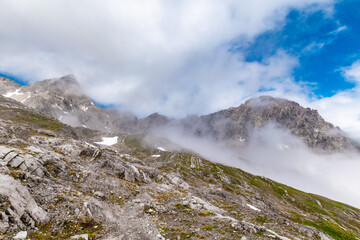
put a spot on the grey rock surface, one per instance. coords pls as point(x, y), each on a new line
point(22, 212)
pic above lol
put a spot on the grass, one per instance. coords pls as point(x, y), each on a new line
point(207, 213)
point(332, 229)
point(181, 206)
point(261, 219)
point(209, 227)
point(80, 225)
point(36, 119)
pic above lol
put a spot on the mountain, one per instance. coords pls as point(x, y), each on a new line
point(7, 85)
point(238, 123)
point(59, 182)
point(65, 100)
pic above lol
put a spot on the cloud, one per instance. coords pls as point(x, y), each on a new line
point(342, 109)
point(275, 153)
point(149, 56)
point(339, 30)
point(314, 47)
point(352, 73)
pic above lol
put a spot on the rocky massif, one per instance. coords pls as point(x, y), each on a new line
point(61, 182)
point(238, 123)
point(65, 100)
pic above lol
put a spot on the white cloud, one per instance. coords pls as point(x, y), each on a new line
point(147, 56)
point(339, 30)
point(352, 73)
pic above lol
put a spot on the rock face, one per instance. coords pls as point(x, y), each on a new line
point(7, 85)
point(239, 122)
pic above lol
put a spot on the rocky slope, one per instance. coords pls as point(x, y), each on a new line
point(58, 182)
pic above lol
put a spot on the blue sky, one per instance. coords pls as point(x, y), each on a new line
point(323, 44)
point(191, 57)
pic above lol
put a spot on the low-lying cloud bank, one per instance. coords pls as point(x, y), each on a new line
point(277, 154)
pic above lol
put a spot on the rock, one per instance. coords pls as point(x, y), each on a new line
point(4, 151)
point(46, 132)
point(21, 203)
point(10, 156)
point(99, 194)
point(16, 162)
point(323, 236)
point(90, 152)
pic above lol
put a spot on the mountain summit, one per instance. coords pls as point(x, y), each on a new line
point(64, 99)
point(238, 123)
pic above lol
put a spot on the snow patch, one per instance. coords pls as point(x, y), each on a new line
point(253, 208)
point(10, 94)
point(84, 108)
point(108, 141)
point(156, 156)
point(161, 149)
point(84, 126)
point(21, 235)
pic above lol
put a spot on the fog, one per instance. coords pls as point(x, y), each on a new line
point(275, 153)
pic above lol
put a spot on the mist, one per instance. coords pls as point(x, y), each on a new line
point(275, 153)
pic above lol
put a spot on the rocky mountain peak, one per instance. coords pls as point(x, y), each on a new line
point(240, 122)
point(8, 85)
point(153, 120)
point(265, 101)
point(67, 85)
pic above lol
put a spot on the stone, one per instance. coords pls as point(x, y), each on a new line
point(16, 162)
point(10, 156)
point(4, 151)
point(99, 194)
point(21, 203)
